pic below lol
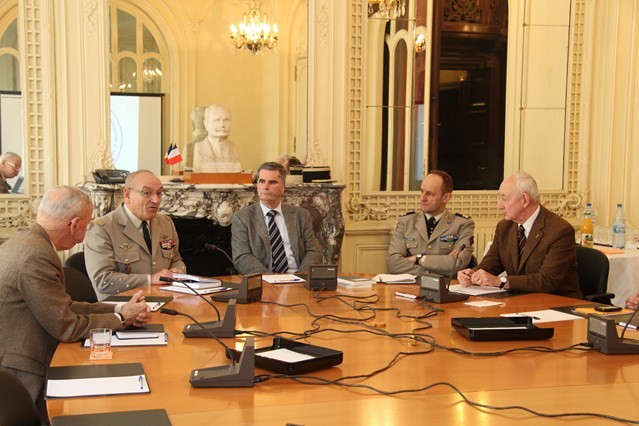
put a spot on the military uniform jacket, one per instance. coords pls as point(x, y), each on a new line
point(411, 237)
point(117, 258)
point(548, 263)
point(35, 310)
point(252, 246)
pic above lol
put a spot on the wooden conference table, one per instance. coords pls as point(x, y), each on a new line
point(570, 381)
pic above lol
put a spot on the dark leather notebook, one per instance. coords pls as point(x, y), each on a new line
point(137, 418)
point(501, 328)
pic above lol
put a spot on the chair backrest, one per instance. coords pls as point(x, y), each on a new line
point(592, 267)
point(16, 406)
point(76, 261)
point(78, 286)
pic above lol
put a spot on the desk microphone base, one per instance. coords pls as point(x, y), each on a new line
point(602, 334)
point(238, 375)
point(224, 328)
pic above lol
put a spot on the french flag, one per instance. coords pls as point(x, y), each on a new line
point(173, 155)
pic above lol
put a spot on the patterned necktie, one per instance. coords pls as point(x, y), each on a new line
point(278, 255)
point(147, 235)
point(521, 239)
point(431, 224)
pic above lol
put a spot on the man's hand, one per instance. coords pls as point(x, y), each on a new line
point(155, 278)
point(633, 302)
point(485, 279)
point(135, 311)
point(464, 276)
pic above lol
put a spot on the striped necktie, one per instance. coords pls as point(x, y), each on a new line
point(278, 255)
point(521, 239)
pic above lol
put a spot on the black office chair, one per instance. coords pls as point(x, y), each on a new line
point(592, 267)
point(78, 286)
point(16, 406)
point(76, 261)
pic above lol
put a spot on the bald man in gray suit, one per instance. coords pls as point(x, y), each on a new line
point(251, 243)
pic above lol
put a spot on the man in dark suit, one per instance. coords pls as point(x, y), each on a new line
point(35, 311)
point(295, 250)
point(534, 246)
point(10, 165)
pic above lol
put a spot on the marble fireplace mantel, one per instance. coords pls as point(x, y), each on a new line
point(218, 202)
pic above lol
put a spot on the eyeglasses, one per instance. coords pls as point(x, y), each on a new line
point(147, 194)
point(13, 165)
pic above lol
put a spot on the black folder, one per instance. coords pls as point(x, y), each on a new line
point(501, 328)
point(102, 371)
point(137, 418)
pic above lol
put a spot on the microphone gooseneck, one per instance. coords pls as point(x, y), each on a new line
point(214, 247)
point(171, 280)
point(452, 271)
point(226, 348)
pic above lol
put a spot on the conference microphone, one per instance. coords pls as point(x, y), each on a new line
point(225, 328)
point(433, 287)
point(236, 375)
point(214, 247)
point(249, 290)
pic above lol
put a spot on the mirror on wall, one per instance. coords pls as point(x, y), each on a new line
point(436, 93)
point(11, 104)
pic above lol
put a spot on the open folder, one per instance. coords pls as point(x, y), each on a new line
point(94, 380)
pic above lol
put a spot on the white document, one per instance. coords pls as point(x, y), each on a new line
point(547, 315)
point(285, 355)
point(475, 290)
point(483, 303)
point(97, 386)
point(153, 306)
point(282, 278)
point(181, 289)
point(159, 339)
point(395, 278)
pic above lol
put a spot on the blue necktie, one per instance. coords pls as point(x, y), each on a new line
point(278, 255)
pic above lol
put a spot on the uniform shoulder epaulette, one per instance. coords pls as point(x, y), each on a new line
point(465, 216)
point(98, 221)
point(407, 214)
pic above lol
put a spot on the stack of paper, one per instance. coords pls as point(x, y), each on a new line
point(395, 278)
point(353, 282)
point(195, 281)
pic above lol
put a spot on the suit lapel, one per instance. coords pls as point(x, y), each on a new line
point(290, 218)
point(260, 224)
point(130, 230)
point(420, 225)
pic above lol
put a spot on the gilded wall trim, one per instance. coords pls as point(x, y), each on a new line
point(361, 206)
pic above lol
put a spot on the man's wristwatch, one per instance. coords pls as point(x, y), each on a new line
point(503, 281)
point(418, 257)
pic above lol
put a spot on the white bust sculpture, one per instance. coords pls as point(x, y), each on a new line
point(216, 154)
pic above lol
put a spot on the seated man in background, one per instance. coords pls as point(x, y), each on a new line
point(10, 165)
point(430, 241)
point(35, 311)
point(534, 246)
point(133, 246)
point(270, 236)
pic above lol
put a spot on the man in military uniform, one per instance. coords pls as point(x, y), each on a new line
point(133, 246)
point(430, 242)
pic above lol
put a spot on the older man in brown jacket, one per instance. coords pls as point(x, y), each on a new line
point(35, 311)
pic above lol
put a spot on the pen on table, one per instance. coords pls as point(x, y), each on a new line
point(526, 315)
point(141, 380)
point(630, 326)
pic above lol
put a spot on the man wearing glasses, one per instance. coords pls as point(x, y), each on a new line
point(10, 165)
point(133, 246)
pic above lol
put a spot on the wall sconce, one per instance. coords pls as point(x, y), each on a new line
point(420, 43)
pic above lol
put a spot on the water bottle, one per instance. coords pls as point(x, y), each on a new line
point(590, 211)
point(619, 228)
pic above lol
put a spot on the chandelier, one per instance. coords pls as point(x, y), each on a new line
point(149, 75)
point(254, 32)
point(388, 9)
